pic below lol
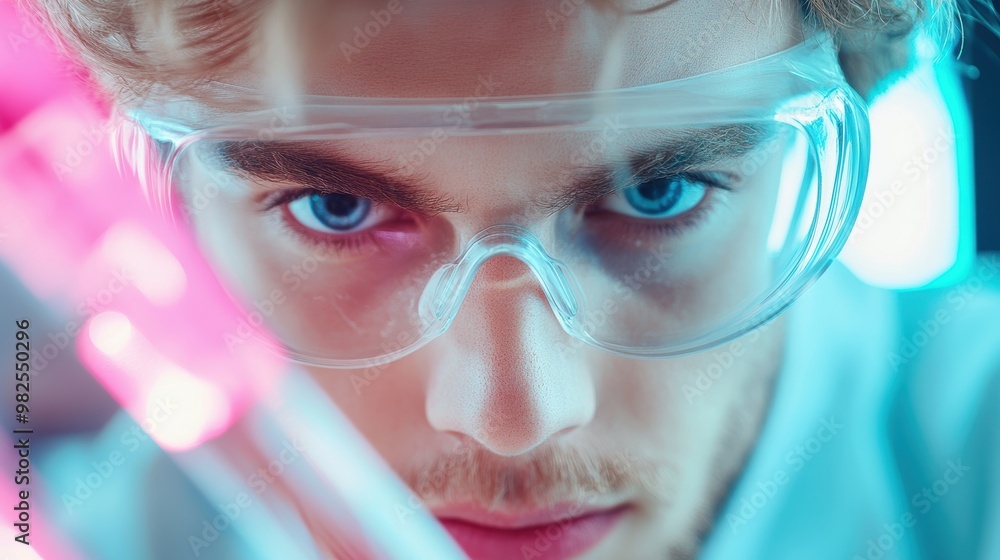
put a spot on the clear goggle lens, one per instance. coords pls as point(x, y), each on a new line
point(656, 221)
point(644, 241)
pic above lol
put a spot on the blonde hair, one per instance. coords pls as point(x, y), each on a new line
point(874, 37)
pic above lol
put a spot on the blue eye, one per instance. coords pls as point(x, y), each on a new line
point(332, 213)
point(339, 212)
point(660, 198)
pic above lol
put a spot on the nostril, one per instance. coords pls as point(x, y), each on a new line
point(512, 436)
point(507, 431)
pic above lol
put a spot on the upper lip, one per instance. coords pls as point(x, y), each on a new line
point(510, 518)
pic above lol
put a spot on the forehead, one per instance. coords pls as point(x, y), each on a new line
point(446, 48)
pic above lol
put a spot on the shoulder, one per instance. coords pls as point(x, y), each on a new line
point(921, 334)
point(956, 327)
point(921, 369)
point(944, 413)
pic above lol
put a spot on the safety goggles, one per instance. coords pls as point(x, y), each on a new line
point(656, 220)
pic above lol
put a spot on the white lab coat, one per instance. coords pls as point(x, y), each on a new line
point(883, 395)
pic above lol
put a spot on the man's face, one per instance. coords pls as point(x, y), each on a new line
point(525, 442)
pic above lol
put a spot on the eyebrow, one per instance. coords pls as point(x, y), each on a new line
point(328, 171)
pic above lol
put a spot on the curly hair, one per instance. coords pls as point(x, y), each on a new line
point(107, 35)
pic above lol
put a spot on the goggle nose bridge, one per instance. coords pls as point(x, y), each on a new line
point(447, 288)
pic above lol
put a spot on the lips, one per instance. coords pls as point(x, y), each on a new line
point(561, 532)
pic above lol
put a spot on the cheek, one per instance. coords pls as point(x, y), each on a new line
point(385, 403)
point(683, 401)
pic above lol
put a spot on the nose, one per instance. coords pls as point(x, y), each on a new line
point(509, 377)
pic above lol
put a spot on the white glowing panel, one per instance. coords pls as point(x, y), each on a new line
point(907, 234)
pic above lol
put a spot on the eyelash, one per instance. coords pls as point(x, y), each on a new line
point(671, 227)
point(286, 196)
point(340, 245)
point(715, 181)
point(356, 243)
